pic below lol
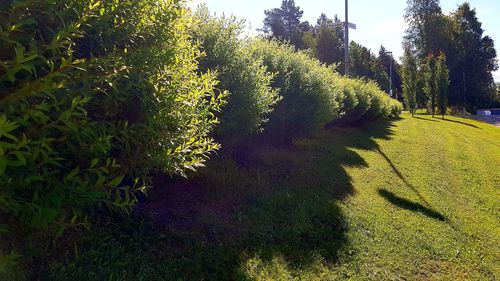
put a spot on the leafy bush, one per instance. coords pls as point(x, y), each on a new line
point(362, 96)
point(251, 98)
point(310, 98)
point(9, 267)
point(94, 96)
point(314, 95)
point(365, 101)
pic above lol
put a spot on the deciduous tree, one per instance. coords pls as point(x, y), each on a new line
point(473, 59)
point(442, 83)
point(426, 27)
point(410, 80)
point(430, 83)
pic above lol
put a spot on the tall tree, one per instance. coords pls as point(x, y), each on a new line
point(385, 60)
point(410, 80)
point(365, 64)
point(473, 58)
point(329, 40)
point(284, 22)
point(442, 83)
point(426, 30)
point(430, 83)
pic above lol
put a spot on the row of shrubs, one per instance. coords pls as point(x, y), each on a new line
point(98, 96)
point(273, 87)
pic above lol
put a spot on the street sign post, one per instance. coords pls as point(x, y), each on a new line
point(347, 25)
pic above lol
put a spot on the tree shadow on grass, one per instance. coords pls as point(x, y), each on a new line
point(402, 177)
point(404, 203)
point(425, 119)
point(460, 122)
point(410, 205)
point(283, 203)
point(438, 119)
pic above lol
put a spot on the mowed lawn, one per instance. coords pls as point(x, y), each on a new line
point(412, 199)
point(428, 203)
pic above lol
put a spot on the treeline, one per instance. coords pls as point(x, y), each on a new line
point(97, 97)
point(432, 78)
point(470, 56)
point(325, 40)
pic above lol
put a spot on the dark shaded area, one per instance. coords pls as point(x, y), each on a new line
point(269, 202)
point(425, 119)
point(438, 118)
point(460, 122)
point(410, 205)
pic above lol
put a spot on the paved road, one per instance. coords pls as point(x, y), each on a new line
point(493, 119)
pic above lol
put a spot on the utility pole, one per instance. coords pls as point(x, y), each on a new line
point(346, 43)
point(346, 25)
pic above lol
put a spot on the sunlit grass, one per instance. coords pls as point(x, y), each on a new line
point(413, 199)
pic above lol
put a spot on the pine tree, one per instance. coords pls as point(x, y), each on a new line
point(365, 64)
point(284, 23)
point(330, 41)
point(442, 83)
point(410, 80)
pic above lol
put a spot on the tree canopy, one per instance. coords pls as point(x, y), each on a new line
point(284, 22)
point(471, 56)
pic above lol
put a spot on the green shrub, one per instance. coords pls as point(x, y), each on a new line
point(310, 98)
point(371, 102)
point(10, 268)
point(314, 95)
point(95, 95)
point(251, 98)
point(363, 97)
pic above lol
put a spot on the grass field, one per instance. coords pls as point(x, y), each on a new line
point(412, 199)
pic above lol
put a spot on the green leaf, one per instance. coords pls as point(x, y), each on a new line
point(116, 181)
point(72, 174)
point(3, 164)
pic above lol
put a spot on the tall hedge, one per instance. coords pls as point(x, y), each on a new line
point(366, 102)
point(314, 95)
point(94, 96)
point(250, 96)
point(309, 98)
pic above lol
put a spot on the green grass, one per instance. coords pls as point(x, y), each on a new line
point(413, 199)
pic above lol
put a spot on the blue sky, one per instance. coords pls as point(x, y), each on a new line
point(378, 22)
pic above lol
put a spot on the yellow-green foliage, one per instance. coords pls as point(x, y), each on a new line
point(94, 96)
point(314, 95)
point(247, 80)
point(309, 98)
